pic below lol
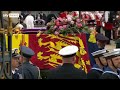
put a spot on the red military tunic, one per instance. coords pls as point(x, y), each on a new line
point(108, 26)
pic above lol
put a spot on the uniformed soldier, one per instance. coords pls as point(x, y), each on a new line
point(98, 68)
point(15, 63)
point(98, 17)
point(113, 59)
point(67, 69)
point(28, 70)
point(108, 25)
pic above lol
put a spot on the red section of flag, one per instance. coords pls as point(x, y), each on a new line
point(43, 47)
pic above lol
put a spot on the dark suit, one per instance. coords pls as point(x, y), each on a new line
point(109, 74)
point(66, 71)
point(28, 71)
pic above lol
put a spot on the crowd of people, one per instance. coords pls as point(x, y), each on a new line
point(29, 21)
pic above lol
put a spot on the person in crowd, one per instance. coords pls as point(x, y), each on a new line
point(108, 25)
point(15, 63)
point(98, 17)
point(21, 23)
point(29, 21)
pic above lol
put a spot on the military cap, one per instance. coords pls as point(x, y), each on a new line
point(101, 37)
point(111, 54)
point(99, 53)
point(68, 50)
point(15, 53)
point(26, 52)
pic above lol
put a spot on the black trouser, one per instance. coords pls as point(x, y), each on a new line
point(114, 34)
point(108, 34)
point(98, 29)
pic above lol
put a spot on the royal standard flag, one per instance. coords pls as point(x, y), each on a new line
point(47, 46)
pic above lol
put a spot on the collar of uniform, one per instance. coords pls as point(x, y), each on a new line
point(118, 70)
point(109, 70)
point(113, 73)
point(96, 67)
point(104, 68)
point(101, 48)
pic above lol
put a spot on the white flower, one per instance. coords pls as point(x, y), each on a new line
point(72, 22)
point(69, 17)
